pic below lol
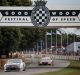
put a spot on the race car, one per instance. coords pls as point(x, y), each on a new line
point(46, 61)
point(15, 64)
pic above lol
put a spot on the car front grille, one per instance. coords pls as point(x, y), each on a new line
point(12, 67)
point(44, 63)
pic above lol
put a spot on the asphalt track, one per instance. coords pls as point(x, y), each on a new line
point(35, 68)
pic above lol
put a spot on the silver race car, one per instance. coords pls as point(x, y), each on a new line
point(14, 64)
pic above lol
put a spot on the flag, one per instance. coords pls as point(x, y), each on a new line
point(77, 33)
point(53, 33)
point(57, 32)
point(48, 33)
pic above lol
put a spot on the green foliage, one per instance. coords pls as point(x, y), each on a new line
point(30, 37)
point(9, 39)
point(15, 2)
point(12, 39)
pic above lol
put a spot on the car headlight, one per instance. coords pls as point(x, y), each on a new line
point(21, 65)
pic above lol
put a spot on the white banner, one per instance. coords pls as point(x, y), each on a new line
point(21, 16)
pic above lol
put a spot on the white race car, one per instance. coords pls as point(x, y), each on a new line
point(46, 61)
point(14, 64)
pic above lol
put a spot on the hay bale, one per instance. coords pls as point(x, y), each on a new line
point(2, 62)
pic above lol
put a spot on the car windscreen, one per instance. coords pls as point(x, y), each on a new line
point(14, 61)
point(45, 59)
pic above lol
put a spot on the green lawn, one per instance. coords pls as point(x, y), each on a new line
point(74, 64)
point(72, 69)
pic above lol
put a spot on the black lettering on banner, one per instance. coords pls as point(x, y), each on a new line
point(64, 12)
point(28, 12)
point(16, 12)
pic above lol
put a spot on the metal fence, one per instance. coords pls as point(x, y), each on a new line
point(54, 57)
point(63, 57)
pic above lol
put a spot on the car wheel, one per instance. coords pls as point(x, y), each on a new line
point(5, 71)
point(24, 69)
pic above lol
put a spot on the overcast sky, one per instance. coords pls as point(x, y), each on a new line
point(62, 2)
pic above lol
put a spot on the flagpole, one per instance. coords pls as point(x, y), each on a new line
point(33, 50)
point(74, 42)
point(61, 41)
point(37, 46)
point(41, 45)
point(46, 41)
point(67, 41)
point(51, 40)
point(74, 37)
point(56, 39)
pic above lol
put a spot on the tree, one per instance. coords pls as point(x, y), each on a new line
point(30, 37)
point(15, 2)
point(10, 39)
